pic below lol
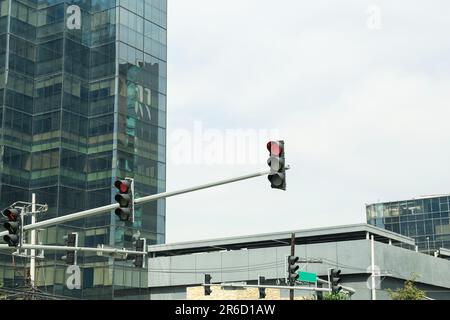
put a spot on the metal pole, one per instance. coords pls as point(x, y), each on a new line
point(265, 286)
point(70, 217)
point(329, 278)
point(291, 292)
point(8, 40)
point(372, 245)
point(63, 248)
point(33, 241)
point(108, 208)
point(351, 290)
point(205, 186)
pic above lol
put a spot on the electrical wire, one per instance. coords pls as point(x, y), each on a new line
point(256, 267)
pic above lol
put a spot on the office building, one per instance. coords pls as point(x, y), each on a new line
point(83, 102)
point(424, 219)
point(177, 271)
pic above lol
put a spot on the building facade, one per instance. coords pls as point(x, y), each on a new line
point(177, 271)
point(83, 102)
point(426, 220)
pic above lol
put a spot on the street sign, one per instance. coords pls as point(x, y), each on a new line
point(307, 277)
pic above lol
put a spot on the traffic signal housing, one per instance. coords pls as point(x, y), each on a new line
point(208, 290)
point(335, 280)
point(277, 164)
point(262, 291)
point(292, 269)
point(14, 227)
point(139, 261)
point(125, 198)
point(71, 241)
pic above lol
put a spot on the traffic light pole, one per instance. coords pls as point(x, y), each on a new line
point(329, 277)
point(33, 241)
point(67, 248)
point(291, 292)
point(233, 285)
point(237, 285)
point(372, 258)
point(111, 207)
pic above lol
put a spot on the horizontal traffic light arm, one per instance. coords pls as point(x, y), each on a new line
point(112, 207)
point(234, 285)
point(81, 249)
point(348, 289)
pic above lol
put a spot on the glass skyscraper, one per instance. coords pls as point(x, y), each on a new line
point(83, 102)
point(425, 219)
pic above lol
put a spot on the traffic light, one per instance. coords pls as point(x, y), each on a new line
point(335, 280)
point(277, 164)
point(139, 260)
point(262, 291)
point(292, 269)
point(13, 225)
point(208, 290)
point(125, 198)
point(71, 241)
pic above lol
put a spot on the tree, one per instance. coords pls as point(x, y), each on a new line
point(408, 292)
point(336, 296)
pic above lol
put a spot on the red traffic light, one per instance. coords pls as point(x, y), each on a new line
point(12, 214)
point(275, 148)
point(13, 227)
point(125, 198)
point(122, 185)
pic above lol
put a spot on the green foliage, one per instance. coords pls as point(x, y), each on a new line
point(408, 292)
point(336, 296)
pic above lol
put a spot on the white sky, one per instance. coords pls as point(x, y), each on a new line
point(362, 101)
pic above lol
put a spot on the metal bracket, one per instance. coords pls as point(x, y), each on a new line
point(25, 208)
point(114, 255)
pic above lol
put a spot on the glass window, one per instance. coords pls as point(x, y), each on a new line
point(88, 277)
point(404, 228)
point(427, 205)
point(421, 227)
point(418, 209)
point(4, 8)
point(395, 227)
point(118, 277)
point(51, 235)
point(99, 274)
point(45, 160)
point(46, 123)
point(435, 204)
point(429, 227)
